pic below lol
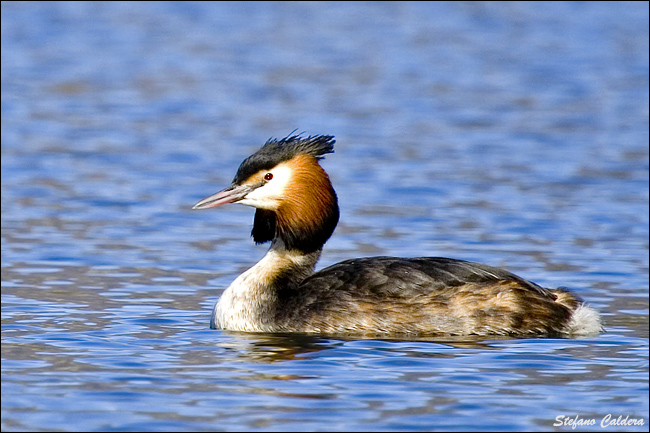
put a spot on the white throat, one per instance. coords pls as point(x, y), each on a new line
point(250, 303)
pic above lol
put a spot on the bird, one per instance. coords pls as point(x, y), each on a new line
point(297, 212)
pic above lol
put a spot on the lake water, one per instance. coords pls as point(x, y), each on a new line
point(513, 134)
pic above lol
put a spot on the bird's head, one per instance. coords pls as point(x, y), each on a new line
point(295, 201)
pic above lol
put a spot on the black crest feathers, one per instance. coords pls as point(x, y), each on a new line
point(276, 151)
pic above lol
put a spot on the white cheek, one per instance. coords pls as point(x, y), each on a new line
point(270, 195)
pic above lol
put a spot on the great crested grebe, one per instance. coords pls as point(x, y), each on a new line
point(297, 210)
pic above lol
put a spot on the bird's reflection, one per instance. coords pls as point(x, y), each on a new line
point(283, 347)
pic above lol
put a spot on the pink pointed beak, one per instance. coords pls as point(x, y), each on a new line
point(232, 194)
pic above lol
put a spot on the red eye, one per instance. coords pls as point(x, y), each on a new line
point(268, 176)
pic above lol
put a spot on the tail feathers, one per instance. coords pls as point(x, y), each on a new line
point(584, 321)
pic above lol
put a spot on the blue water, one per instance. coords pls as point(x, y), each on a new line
point(513, 134)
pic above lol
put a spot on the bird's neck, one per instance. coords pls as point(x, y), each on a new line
point(297, 229)
point(252, 301)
